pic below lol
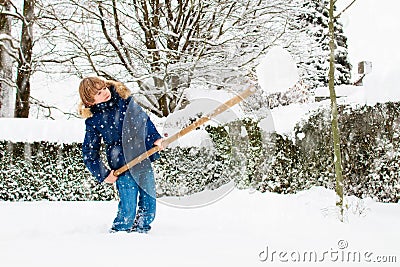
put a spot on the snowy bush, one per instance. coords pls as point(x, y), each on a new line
point(189, 170)
point(184, 171)
point(284, 169)
point(47, 171)
point(241, 152)
point(50, 171)
point(370, 154)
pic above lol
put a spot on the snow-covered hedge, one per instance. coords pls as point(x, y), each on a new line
point(47, 171)
point(284, 164)
point(370, 153)
point(188, 170)
point(50, 171)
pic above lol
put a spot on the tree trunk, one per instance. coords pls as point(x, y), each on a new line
point(6, 88)
point(25, 62)
point(335, 126)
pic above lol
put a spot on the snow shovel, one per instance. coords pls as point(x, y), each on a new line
point(276, 72)
point(223, 107)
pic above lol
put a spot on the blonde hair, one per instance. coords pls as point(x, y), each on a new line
point(89, 86)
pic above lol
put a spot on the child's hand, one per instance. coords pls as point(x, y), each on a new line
point(159, 143)
point(111, 178)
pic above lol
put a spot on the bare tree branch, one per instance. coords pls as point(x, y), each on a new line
point(344, 10)
point(50, 109)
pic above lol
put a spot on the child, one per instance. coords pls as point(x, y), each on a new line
point(105, 104)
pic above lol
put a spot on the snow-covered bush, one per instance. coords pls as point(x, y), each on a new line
point(284, 169)
point(50, 171)
point(370, 153)
point(369, 141)
point(47, 171)
point(234, 156)
point(188, 170)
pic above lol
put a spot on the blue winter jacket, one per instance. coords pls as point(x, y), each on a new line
point(107, 124)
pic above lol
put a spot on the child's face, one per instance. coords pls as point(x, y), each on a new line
point(103, 95)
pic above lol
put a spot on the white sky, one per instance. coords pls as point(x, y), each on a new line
point(372, 28)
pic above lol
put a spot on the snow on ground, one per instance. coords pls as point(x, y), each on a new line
point(239, 230)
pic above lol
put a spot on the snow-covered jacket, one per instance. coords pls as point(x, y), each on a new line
point(106, 123)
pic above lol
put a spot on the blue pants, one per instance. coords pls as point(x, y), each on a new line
point(128, 219)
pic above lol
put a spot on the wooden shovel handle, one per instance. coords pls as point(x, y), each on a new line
point(225, 106)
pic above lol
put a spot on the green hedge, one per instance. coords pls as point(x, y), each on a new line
point(370, 153)
point(283, 164)
point(47, 171)
point(50, 171)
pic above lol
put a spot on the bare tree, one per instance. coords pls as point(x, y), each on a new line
point(25, 61)
point(165, 46)
point(335, 126)
point(17, 51)
point(19, 60)
point(6, 61)
point(334, 110)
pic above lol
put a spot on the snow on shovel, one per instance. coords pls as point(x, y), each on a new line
point(276, 73)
